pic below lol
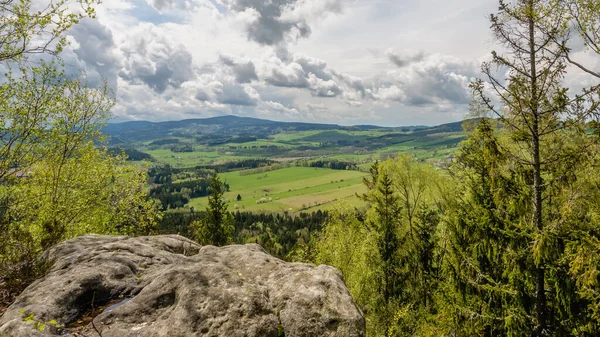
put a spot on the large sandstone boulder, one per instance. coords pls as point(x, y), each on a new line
point(117, 286)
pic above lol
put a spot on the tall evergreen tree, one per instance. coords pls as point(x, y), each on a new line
point(387, 212)
point(487, 264)
point(517, 270)
point(403, 218)
point(216, 228)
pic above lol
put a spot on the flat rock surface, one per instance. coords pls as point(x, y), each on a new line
point(117, 286)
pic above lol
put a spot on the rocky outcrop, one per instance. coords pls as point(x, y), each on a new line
point(170, 286)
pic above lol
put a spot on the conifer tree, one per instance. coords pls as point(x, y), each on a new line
point(584, 18)
point(487, 263)
point(216, 228)
point(387, 213)
point(513, 214)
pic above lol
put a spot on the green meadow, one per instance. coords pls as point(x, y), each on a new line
point(290, 189)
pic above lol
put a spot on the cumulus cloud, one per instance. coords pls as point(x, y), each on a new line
point(272, 22)
point(313, 74)
point(161, 5)
point(236, 94)
point(315, 66)
point(179, 58)
point(95, 48)
point(280, 74)
point(202, 95)
point(391, 93)
point(403, 60)
point(154, 59)
point(435, 79)
point(269, 108)
point(244, 71)
point(316, 107)
point(323, 88)
point(266, 26)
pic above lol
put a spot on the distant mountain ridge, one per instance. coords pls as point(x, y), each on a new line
point(140, 131)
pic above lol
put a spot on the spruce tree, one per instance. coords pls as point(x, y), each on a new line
point(487, 263)
point(510, 231)
point(387, 212)
point(216, 228)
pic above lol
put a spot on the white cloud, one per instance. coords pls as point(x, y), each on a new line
point(153, 58)
point(334, 61)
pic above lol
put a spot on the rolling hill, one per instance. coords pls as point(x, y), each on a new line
point(193, 142)
point(139, 131)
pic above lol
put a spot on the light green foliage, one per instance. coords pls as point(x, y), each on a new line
point(27, 28)
point(89, 192)
point(347, 244)
point(216, 228)
point(70, 186)
point(40, 326)
point(583, 17)
point(46, 114)
point(55, 181)
point(391, 260)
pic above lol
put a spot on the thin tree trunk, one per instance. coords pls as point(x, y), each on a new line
point(540, 295)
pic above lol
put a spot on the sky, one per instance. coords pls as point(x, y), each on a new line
point(349, 62)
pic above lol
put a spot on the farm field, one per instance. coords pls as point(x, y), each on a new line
point(220, 141)
point(290, 189)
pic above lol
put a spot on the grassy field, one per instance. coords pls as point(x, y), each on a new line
point(191, 159)
point(296, 188)
point(289, 189)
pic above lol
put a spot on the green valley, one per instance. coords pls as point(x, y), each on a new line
point(304, 166)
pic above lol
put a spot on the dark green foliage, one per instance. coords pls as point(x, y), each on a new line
point(166, 173)
point(333, 164)
point(280, 234)
point(132, 154)
point(429, 258)
point(387, 210)
point(182, 148)
point(216, 228)
point(488, 265)
point(492, 259)
point(244, 139)
point(165, 141)
point(179, 222)
point(175, 195)
point(525, 190)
